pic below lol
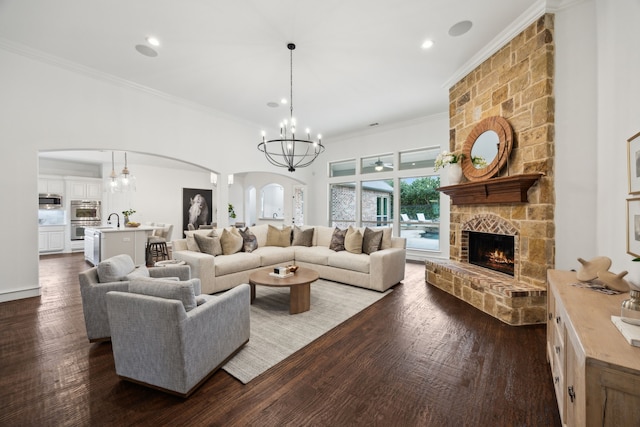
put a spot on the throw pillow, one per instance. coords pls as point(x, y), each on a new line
point(353, 241)
point(140, 271)
point(231, 241)
point(371, 241)
point(249, 240)
point(181, 291)
point(192, 245)
point(337, 240)
point(115, 269)
point(302, 237)
point(279, 237)
point(209, 244)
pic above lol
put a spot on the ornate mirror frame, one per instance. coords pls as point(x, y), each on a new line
point(505, 142)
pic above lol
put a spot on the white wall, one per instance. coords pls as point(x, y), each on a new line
point(576, 172)
point(45, 106)
point(158, 195)
point(597, 110)
point(618, 119)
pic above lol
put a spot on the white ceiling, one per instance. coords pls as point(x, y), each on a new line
point(357, 62)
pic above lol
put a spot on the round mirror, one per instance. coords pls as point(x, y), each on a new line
point(485, 149)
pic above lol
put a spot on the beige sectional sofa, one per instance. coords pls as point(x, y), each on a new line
point(378, 270)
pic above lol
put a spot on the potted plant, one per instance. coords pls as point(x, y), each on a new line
point(454, 160)
point(127, 214)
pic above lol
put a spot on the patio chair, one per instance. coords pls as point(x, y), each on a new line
point(421, 217)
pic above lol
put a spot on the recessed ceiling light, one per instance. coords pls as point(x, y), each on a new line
point(460, 28)
point(427, 44)
point(283, 101)
point(153, 41)
point(146, 50)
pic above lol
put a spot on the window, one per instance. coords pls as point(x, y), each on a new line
point(403, 197)
point(342, 204)
point(342, 168)
point(376, 201)
point(417, 159)
point(420, 212)
point(376, 164)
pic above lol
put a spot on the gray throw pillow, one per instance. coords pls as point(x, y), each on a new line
point(140, 271)
point(115, 269)
point(168, 289)
point(337, 240)
point(249, 240)
point(209, 244)
point(371, 241)
point(302, 237)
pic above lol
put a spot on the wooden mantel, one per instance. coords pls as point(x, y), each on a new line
point(506, 189)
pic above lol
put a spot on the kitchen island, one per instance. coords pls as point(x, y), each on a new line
point(106, 241)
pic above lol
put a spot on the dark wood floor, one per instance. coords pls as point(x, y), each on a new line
point(418, 357)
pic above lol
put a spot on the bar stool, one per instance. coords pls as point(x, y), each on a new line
point(156, 250)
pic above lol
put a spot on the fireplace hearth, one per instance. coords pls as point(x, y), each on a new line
point(492, 251)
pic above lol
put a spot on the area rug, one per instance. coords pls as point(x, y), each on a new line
point(276, 334)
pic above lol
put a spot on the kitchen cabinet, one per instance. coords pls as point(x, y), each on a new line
point(51, 239)
point(50, 186)
point(595, 371)
point(88, 189)
point(101, 243)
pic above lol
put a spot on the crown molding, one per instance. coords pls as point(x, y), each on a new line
point(74, 67)
point(388, 127)
point(560, 5)
point(523, 21)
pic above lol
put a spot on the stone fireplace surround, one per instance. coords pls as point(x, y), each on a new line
point(497, 294)
point(515, 83)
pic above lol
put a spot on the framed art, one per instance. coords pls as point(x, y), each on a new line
point(633, 163)
point(633, 227)
point(196, 207)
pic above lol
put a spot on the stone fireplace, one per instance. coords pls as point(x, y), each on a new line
point(515, 83)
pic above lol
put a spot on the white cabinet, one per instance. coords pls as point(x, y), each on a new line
point(51, 239)
point(125, 241)
point(84, 189)
point(50, 186)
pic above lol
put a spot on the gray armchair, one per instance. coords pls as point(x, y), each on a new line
point(165, 337)
point(113, 274)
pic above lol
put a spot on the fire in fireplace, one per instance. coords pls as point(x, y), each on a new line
point(494, 251)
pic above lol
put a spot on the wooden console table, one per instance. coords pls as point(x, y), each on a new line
point(596, 372)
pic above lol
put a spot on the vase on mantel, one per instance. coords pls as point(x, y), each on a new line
point(455, 173)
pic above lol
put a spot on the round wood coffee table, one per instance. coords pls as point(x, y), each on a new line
point(299, 286)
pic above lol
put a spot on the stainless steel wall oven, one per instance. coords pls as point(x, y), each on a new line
point(84, 213)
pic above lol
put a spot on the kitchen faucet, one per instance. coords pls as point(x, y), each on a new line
point(117, 216)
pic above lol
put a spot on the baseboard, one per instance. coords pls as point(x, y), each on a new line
point(21, 294)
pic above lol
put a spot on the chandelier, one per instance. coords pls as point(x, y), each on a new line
point(291, 151)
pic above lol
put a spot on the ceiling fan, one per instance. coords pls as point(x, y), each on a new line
point(379, 165)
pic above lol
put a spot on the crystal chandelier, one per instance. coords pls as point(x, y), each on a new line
point(289, 151)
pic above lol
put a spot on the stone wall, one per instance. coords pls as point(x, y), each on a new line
point(517, 84)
